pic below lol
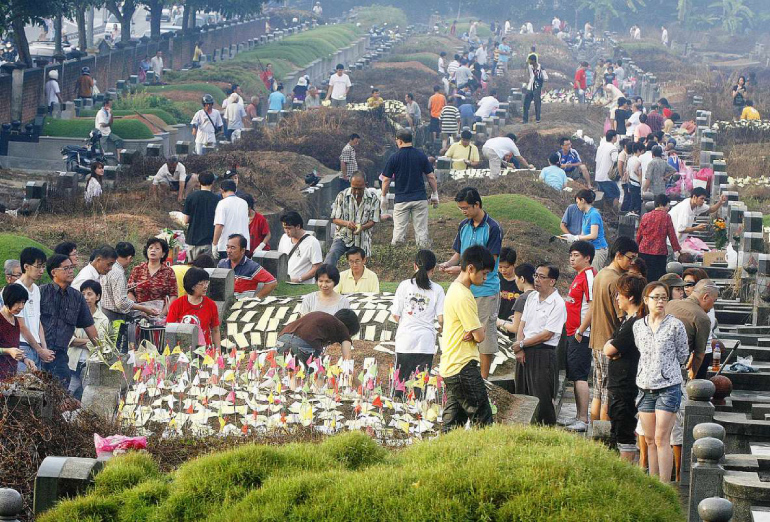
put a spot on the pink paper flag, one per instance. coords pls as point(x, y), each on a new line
point(231, 397)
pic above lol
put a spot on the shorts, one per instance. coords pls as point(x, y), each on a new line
point(435, 125)
point(174, 185)
point(573, 173)
point(610, 189)
point(601, 363)
point(339, 103)
point(665, 399)
point(488, 307)
point(578, 359)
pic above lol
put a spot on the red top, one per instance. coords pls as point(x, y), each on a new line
point(9, 338)
point(258, 230)
point(205, 315)
point(653, 229)
point(152, 288)
point(580, 79)
point(578, 299)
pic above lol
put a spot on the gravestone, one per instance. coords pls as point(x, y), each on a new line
point(706, 473)
point(183, 148)
point(697, 409)
point(183, 335)
point(154, 150)
point(274, 262)
point(62, 477)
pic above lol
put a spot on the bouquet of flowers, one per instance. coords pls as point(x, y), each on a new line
point(720, 233)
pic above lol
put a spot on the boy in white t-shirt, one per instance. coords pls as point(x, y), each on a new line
point(339, 85)
point(302, 249)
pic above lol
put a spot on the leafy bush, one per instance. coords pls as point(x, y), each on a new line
point(377, 14)
point(508, 207)
point(160, 113)
point(145, 102)
point(499, 473)
point(81, 127)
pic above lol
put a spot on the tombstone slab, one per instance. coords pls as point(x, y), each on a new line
point(62, 477)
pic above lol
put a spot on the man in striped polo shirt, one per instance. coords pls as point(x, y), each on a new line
point(450, 123)
point(479, 229)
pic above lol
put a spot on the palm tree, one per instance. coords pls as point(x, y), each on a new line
point(734, 13)
point(604, 10)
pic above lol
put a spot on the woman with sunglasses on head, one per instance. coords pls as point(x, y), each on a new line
point(662, 342)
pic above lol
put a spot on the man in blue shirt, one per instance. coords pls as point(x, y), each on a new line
point(570, 161)
point(479, 229)
point(408, 168)
point(467, 114)
point(552, 175)
point(62, 309)
point(277, 99)
point(572, 222)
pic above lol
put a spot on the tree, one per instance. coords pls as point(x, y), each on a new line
point(123, 14)
point(15, 14)
point(732, 14)
point(605, 10)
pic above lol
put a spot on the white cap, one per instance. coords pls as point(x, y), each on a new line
point(54, 75)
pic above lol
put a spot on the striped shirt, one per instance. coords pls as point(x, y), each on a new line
point(346, 208)
point(449, 120)
point(451, 68)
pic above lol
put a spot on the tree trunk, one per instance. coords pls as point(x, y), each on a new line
point(22, 45)
point(185, 17)
point(125, 22)
point(156, 10)
point(57, 31)
point(80, 18)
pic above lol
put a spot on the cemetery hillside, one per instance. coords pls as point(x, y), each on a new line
point(331, 261)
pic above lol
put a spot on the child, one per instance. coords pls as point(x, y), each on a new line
point(509, 290)
point(466, 392)
point(417, 304)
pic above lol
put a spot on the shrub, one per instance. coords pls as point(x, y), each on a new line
point(509, 207)
point(499, 473)
point(160, 113)
point(81, 127)
point(145, 102)
point(377, 14)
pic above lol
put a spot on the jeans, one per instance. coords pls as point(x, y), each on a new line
point(466, 399)
point(336, 250)
point(418, 212)
point(622, 411)
point(76, 381)
point(531, 96)
point(290, 343)
point(30, 354)
point(635, 192)
point(665, 399)
point(59, 367)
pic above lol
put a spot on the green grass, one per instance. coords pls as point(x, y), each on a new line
point(201, 88)
point(430, 60)
point(766, 220)
point(11, 246)
point(160, 113)
point(513, 207)
point(380, 14)
point(80, 127)
point(500, 473)
point(482, 30)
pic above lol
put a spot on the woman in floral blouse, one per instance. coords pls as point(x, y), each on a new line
point(662, 343)
point(153, 280)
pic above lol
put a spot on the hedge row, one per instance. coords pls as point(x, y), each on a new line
point(81, 127)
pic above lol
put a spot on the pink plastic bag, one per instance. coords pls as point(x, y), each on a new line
point(117, 444)
point(607, 125)
point(706, 175)
point(694, 245)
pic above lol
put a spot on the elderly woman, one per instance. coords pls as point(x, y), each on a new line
point(196, 308)
point(326, 299)
point(662, 343)
point(81, 347)
point(14, 299)
point(153, 280)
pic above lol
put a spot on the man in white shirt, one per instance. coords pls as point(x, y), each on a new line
point(173, 175)
point(442, 63)
point(302, 249)
point(339, 85)
point(453, 66)
point(555, 24)
point(507, 26)
point(683, 214)
point(606, 158)
point(230, 217)
point(156, 64)
point(52, 91)
point(488, 105)
point(481, 55)
point(664, 36)
point(103, 123)
point(236, 117)
point(206, 123)
point(633, 121)
point(539, 332)
point(501, 150)
point(645, 159)
point(32, 342)
point(100, 265)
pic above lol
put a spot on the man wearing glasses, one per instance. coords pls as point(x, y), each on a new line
point(12, 270)
point(539, 332)
point(358, 278)
point(693, 312)
point(33, 343)
point(62, 309)
point(605, 318)
point(355, 212)
point(250, 276)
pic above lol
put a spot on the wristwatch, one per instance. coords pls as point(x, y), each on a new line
point(521, 345)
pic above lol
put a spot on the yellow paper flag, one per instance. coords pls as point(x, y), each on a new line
point(208, 361)
point(403, 426)
point(118, 366)
point(177, 350)
point(166, 352)
point(229, 376)
point(221, 424)
point(137, 375)
point(278, 388)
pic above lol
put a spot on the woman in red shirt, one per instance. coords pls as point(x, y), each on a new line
point(654, 227)
point(196, 308)
point(14, 298)
point(153, 280)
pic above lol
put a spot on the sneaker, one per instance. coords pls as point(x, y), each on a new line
point(577, 426)
point(567, 422)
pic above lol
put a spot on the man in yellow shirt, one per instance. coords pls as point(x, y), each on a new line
point(464, 154)
point(749, 112)
point(466, 392)
point(358, 278)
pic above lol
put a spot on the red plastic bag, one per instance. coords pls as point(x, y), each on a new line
point(117, 444)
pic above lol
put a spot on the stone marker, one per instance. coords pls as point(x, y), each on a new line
point(706, 473)
point(11, 505)
point(154, 150)
point(183, 148)
point(222, 284)
point(697, 409)
point(61, 477)
point(274, 262)
point(183, 335)
point(715, 509)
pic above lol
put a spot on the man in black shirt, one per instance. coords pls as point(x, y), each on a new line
point(199, 208)
point(622, 113)
point(509, 291)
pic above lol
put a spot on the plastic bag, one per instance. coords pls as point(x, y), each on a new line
point(117, 444)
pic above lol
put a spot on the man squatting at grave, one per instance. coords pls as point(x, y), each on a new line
point(309, 335)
